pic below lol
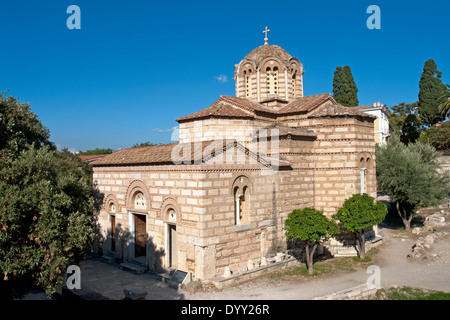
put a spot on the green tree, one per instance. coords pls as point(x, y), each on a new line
point(345, 91)
point(409, 175)
point(405, 122)
point(96, 151)
point(145, 144)
point(432, 89)
point(19, 127)
point(46, 200)
point(444, 106)
point(358, 213)
point(312, 227)
point(438, 136)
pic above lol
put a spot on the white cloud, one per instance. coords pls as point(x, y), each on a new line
point(166, 130)
point(222, 78)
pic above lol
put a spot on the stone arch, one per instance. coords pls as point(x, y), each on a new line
point(168, 204)
point(365, 160)
point(241, 189)
point(272, 62)
point(246, 67)
point(109, 202)
point(365, 164)
point(135, 187)
point(369, 161)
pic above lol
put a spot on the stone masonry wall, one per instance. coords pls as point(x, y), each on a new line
point(341, 144)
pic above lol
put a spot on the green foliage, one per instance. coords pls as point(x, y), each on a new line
point(311, 225)
point(96, 151)
point(20, 127)
point(432, 90)
point(408, 293)
point(405, 122)
point(345, 91)
point(145, 144)
point(360, 212)
point(409, 175)
point(444, 106)
point(46, 201)
point(438, 136)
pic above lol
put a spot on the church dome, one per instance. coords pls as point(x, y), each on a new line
point(268, 72)
point(266, 51)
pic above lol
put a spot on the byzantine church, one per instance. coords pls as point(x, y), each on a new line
point(218, 198)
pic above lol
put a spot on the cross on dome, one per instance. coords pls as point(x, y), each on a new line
point(266, 40)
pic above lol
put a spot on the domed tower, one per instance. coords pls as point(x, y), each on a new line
point(269, 73)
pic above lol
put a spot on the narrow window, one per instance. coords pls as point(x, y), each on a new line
point(293, 85)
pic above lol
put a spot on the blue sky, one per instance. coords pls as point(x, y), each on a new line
point(135, 66)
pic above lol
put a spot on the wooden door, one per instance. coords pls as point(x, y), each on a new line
point(140, 235)
point(113, 233)
point(173, 245)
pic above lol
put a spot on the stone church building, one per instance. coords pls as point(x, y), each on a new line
point(220, 195)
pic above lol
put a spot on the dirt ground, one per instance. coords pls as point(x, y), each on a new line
point(431, 272)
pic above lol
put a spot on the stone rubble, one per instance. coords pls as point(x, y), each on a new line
point(432, 230)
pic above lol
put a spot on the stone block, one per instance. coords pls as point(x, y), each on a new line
point(135, 293)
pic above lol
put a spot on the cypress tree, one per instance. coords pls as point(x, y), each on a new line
point(432, 90)
point(345, 91)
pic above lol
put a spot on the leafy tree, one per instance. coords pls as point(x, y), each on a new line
point(312, 227)
point(405, 122)
point(409, 175)
point(438, 136)
point(145, 144)
point(19, 127)
point(96, 151)
point(444, 106)
point(432, 89)
point(46, 199)
point(358, 213)
point(345, 91)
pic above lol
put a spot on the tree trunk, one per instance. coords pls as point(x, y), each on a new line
point(310, 257)
point(402, 212)
point(361, 242)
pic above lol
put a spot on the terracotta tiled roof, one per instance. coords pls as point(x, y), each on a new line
point(264, 51)
point(285, 130)
point(91, 157)
point(175, 153)
point(228, 106)
point(217, 109)
point(305, 104)
point(246, 104)
point(338, 110)
point(233, 107)
point(150, 154)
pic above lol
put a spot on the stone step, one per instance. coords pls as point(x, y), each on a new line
point(132, 267)
point(164, 277)
point(140, 261)
point(109, 258)
point(346, 252)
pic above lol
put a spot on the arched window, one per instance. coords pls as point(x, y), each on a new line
point(248, 82)
point(362, 166)
point(275, 80)
point(268, 79)
point(112, 207)
point(272, 80)
point(294, 84)
point(139, 201)
point(241, 193)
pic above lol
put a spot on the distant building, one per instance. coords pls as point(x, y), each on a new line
point(381, 123)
